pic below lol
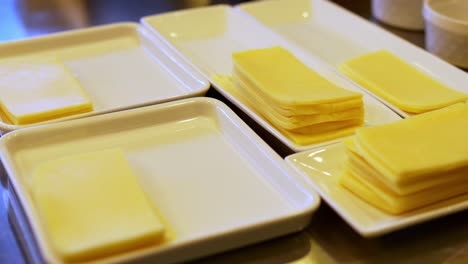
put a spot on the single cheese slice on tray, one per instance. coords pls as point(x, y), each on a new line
point(92, 205)
point(400, 83)
point(37, 90)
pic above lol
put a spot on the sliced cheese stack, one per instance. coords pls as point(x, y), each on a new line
point(92, 206)
point(399, 83)
point(410, 163)
point(37, 90)
point(295, 99)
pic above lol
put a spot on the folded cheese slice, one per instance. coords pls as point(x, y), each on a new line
point(92, 205)
point(36, 90)
point(419, 147)
point(400, 83)
point(279, 75)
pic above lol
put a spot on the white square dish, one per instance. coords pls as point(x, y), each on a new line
point(120, 66)
point(335, 35)
point(207, 37)
point(323, 167)
point(215, 182)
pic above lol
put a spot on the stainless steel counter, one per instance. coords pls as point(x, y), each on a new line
point(328, 239)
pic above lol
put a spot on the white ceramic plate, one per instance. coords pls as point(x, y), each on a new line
point(208, 36)
point(217, 184)
point(335, 35)
point(323, 167)
point(120, 66)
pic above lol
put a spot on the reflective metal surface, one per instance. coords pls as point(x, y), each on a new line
point(328, 239)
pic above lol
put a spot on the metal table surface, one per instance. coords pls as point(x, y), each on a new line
point(328, 239)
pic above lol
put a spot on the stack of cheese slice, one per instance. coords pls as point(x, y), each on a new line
point(92, 206)
point(36, 90)
point(410, 163)
point(295, 99)
point(400, 83)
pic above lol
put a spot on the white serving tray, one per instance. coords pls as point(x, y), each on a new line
point(335, 35)
point(216, 183)
point(120, 66)
point(207, 37)
point(323, 166)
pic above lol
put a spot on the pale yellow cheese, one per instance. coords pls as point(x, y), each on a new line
point(396, 204)
point(400, 83)
point(418, 147)
point(250, 89)
point(328, 126)
point(359, 166)
point(301, 104)
point(410, 163)
point(321, 136)
point(297, 121)
point(359, 178)
point(92, 205)
point(37, 90)
point(302, 136)
point(279, 75)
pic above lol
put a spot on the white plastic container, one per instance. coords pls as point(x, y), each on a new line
point(447, 30)
point(399, 13)
point(120, 66)
point(218, 185)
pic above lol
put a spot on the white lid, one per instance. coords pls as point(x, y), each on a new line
point(450, 15)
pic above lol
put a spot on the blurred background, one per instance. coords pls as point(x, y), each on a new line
point(25, 18)
point(28, 18)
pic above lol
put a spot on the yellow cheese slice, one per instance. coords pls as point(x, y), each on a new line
point(419, 147)
point(395, 204)
point(315, 109)
point(399, 83)
point(92, 205)
point(304, 136)
point(285, 79)
point(294, 109)
point(37, 90)
point(321, 136)
point(296, 121)
point(360, 167)
point(327, 127)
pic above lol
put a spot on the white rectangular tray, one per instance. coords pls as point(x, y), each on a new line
point(323, 166)
point(207, 37)
point(218, 185)
point(335, 35)
point(120, 66)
